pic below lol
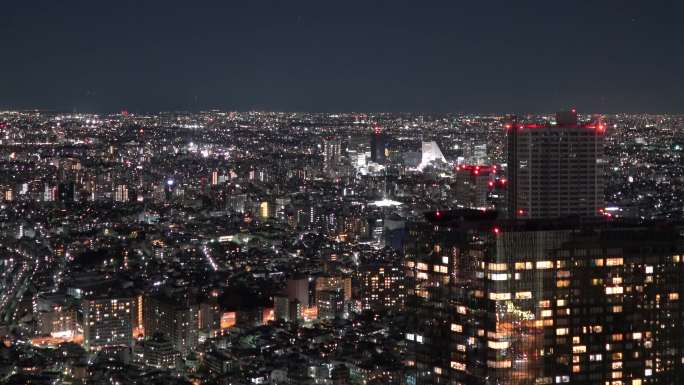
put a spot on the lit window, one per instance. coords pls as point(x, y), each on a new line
point(498, 345)
point(499, 296)
point(544, 264)
point(499, 364)
point(614, 261)
point(498, 267)
point(614, 290)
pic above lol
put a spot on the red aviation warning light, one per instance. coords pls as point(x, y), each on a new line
point(496, 231)
point(438, 214)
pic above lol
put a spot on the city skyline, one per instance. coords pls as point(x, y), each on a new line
point(270, 192)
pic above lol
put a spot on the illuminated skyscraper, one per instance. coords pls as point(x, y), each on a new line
point(378, 146)
point(544, 301)
point(555, 170)
point(121, 193)
point(331, 154)
point(381, 285)
point(108, 321)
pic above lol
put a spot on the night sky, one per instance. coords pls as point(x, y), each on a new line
point(324, 55)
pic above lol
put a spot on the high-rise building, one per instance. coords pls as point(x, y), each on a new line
point(331, 154)
point(176, 319)
point(66, 192)
point(330, 304)
point(121, 193)
point(49, 193)
point(281, 308)
point(381, 284)
point(108, 320)
point(334, 282)
point(298, 288)
point(556, 169)
point(158, 352)
point(547, 301)
point(378, 145)
point(473, 184)
point(209, 317)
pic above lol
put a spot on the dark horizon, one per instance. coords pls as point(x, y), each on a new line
point(419, 113)
point(622, 56)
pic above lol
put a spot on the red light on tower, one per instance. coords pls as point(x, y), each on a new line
point(521, 212)
point(438, 214)
point(496, 231)
point(490, 184)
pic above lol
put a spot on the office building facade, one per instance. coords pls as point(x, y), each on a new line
point(544, 302)
point(555, 170)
